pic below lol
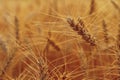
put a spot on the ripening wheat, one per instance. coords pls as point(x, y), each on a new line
point(59, 40)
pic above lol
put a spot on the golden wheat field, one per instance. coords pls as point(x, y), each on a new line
point(59, 39)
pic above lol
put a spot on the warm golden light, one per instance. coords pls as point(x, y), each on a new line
point(59, 39)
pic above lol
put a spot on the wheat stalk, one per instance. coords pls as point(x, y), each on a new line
point(12, 52)
point(118, 37)
point(115, 5)
point(7, 65)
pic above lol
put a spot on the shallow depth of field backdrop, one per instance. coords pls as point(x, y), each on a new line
point(59, 39)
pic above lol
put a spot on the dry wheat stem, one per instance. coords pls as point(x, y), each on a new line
point(115, 5)
point(8, 62)
point(7, 65)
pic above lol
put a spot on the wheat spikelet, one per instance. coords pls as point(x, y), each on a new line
point(43, 69)
point(3, 45)
point(80, 28)
point(17, 28)
point(92, 7)
point(106, 39)
point(51, 42)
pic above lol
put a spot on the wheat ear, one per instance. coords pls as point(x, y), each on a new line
point(105, 30)
point(92, 7)
point(17, 28)
point(81, 30)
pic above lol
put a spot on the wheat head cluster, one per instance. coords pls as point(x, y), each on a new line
point(59, 39)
